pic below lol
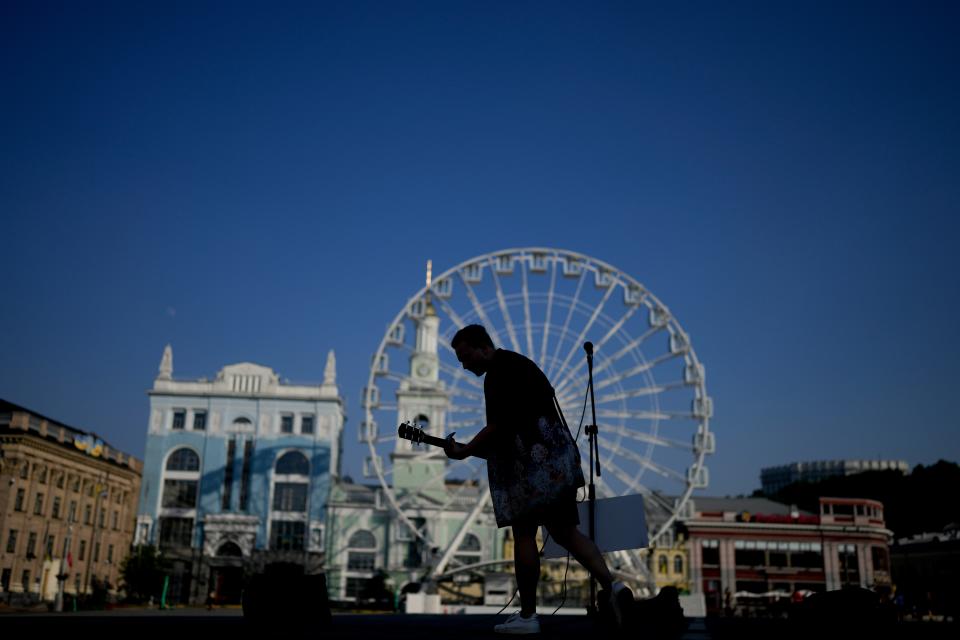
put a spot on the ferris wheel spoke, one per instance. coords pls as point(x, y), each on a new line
point(463, 393)
point(647, 438)
point(478, 309)
point(566, 323)
point(583, 332)
point(528, 328)
point(645, 462)
point(437, 479)
point(643, 367)
point(457, 320)
point(546, 323)
point(504, 311)
point(464, 424)
point(597, 347)
point(461, 408)
point(641, 392)
point(630, 346)
point(641, 414)
point(631, 482)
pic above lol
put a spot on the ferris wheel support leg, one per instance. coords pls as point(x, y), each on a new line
point(458, 538)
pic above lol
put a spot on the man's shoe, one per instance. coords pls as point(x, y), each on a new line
point(517, 624)
point(620, 600)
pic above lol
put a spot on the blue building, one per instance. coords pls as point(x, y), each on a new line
point(237, 474)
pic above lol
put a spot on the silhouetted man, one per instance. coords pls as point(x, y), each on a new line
point(533, 468)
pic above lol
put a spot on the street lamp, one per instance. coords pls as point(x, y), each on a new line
point(62, 575)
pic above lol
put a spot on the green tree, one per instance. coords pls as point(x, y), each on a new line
point(142, 574)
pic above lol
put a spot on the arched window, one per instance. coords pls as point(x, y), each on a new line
point(424, 422)
point(362, 539)
point(678, 564)
point(183, 459)
point(663, 565)
point(362, 551)
point(291, 481)
point(181, 479)
point(292, 463)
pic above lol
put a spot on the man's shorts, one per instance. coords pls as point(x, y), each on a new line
point(563, 512)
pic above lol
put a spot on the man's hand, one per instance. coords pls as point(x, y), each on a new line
point(454, 450)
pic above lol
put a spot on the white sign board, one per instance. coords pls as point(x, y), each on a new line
point(621, 524)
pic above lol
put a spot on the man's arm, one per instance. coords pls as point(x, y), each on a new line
point(476, 447)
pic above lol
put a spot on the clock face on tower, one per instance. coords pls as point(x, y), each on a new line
point(423, 369)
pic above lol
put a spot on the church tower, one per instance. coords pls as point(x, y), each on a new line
point(422, 398)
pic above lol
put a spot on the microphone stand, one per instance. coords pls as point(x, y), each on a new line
point(594, 472)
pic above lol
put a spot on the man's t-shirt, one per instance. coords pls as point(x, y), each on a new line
point(517, 394)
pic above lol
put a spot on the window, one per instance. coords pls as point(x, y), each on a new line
point(18, 503)
point(710, 550)
point(176, 532)
point(59, 481)
point(199, 420)
point(87, 514)
point(179, 494)
point(678, 564)
point(51, 543)
point(361, 561)
point(12, 541)
point(245, 477)
point(287, 535)
point(5, 579)
point(75, 484)
point(115, 522)
point(38, 505)
point(228, 475)
point(183, 459)
point(286, 423)
point(82, 552)
point(32, 545)
point(293, 463)
point(72, 512)
point(56, 508)
point(355, 586)
point(306, 424)
point(290, 496)
point(110, 553)
point(25, 471)
point(25, 580)
point(179, 418)
point(362, 554)
point(662, 565)
point(96, 552)
point(103, 517)
point(42, 476)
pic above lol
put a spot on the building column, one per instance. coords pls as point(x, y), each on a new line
point(865, 564)
point(728, 566)
point(831, 564)
point(695, 565)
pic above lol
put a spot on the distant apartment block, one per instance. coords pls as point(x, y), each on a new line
point(775, 478)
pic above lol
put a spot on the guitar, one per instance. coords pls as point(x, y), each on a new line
point(416, 435)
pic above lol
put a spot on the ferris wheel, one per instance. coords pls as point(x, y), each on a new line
point(652, 407)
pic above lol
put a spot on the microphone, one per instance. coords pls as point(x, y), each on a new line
point(588, 347)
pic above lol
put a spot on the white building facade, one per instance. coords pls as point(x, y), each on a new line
point(237, 474)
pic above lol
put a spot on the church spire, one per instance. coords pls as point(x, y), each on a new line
point(429, 310)
point(166, 364)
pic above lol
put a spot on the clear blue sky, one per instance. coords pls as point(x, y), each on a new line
point(264, 182)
